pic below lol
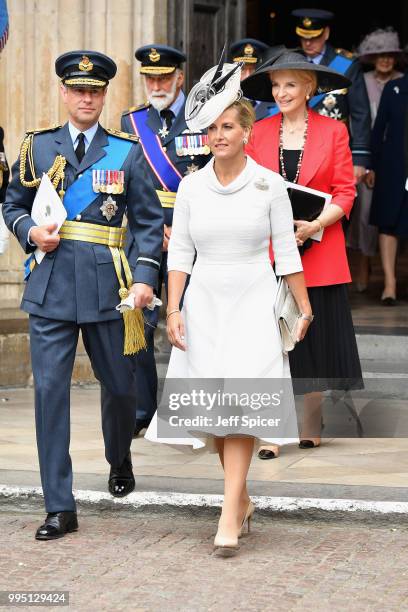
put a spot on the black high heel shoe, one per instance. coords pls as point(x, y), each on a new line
point(311, 442)
point(268, 453)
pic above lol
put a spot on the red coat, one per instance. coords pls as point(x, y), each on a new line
point(327, 166)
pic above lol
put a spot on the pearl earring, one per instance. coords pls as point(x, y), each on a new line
point(245, 140)
point(307, 97)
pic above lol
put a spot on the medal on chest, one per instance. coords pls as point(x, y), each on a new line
point(108, 181)
point(109, 208)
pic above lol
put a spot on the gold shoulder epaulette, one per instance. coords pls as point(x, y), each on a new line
point(132, 109)
point(124, 135)
point(345, 53)
point(50, 128)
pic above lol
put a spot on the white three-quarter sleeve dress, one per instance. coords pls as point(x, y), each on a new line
point(228, 310)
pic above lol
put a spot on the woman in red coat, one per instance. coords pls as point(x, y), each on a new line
point(312, 150)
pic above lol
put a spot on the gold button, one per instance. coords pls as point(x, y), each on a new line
point(78, 218)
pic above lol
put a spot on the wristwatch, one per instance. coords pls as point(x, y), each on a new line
point(306, 317)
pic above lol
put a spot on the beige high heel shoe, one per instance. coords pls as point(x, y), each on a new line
point(225, 546)
point(247, 519)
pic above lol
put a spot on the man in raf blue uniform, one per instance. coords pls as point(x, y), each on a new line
point(100, 174)
point(251, 52)
point(172, 151)
point(349, 105)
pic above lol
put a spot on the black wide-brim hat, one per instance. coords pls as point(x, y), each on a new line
point(258, 86)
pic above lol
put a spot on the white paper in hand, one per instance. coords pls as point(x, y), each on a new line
point(47, 209)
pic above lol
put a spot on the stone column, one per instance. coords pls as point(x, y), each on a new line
point(29, 98)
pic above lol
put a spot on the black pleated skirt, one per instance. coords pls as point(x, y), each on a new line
point(327, 358)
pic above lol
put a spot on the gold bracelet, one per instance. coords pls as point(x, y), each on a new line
point(172, 312)
point(320, 225)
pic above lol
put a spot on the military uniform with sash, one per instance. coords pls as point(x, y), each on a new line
point(77, 286)
point(172, 151)
point(350, 105)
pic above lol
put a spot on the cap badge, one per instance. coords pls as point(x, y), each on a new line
point(248, 50)
point(85, 64)
point(307, 22)
point(154, 56)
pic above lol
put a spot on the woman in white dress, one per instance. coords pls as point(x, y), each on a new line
point(224, 218)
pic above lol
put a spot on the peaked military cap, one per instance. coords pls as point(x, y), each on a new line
point(247, 50)
point(159, 59)
point(310, 23)
point(85, 69)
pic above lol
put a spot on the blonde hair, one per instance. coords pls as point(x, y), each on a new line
point(245, 112)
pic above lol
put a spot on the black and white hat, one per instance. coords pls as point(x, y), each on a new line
point(258, 86)
point(217, 89)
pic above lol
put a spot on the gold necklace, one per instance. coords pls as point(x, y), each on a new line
point(292, 130)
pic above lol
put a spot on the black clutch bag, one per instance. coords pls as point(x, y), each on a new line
point(306, 206)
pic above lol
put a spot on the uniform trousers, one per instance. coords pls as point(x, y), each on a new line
point(53, 348)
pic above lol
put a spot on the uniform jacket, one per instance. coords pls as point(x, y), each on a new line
point(185, 163)
point(390, 157)
point(77, 281)
point(352, 107)
point(326, 166)
point(263, 110)
point(4, 170)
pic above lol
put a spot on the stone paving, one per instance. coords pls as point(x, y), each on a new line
point(146, 562)
point(342, 461)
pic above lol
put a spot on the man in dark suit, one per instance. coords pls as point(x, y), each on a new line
point(172, 151)
point(349, 105)
point(251, 52)
point(100, 174)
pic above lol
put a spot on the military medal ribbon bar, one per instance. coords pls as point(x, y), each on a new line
point(108, 181)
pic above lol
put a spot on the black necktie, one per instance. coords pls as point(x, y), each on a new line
point(80, 150)
point(168, 116)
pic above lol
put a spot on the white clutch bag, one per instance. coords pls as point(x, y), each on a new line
point(287, 315)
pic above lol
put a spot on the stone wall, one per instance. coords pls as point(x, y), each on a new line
point(40, 30)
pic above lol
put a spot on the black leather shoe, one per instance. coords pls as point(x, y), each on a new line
point(121, 480)
point(266, 454)
point(388, 301)
point(139, 426)
point(56, 525)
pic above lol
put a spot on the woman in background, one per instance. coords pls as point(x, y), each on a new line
point(381, 50)
point(389, 209)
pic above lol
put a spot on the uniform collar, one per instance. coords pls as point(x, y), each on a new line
point(89, 133)
point(318, 58)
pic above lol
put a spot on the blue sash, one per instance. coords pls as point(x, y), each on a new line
point(158, 160)
point(340, 64)
point(80, 194)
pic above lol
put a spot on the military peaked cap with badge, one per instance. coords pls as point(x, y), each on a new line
point(85, 69)
point(159, 59)
point(310, 23)
point(79, 284)
point(248, 50)
point(348, 104)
